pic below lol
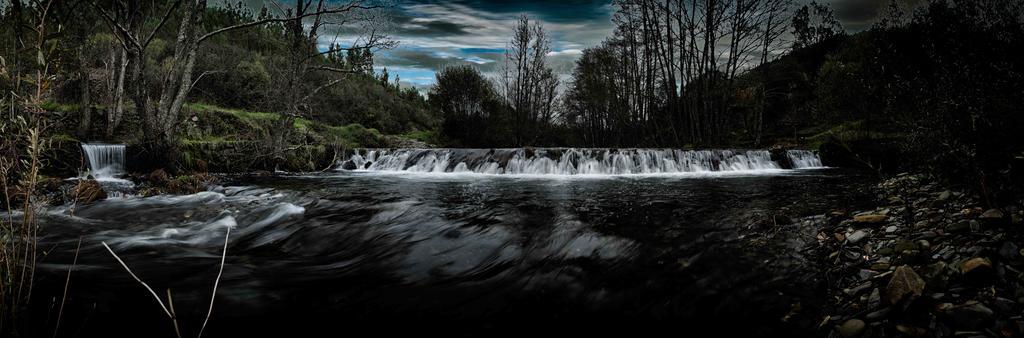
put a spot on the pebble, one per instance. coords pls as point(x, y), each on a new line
point(992, 215)
point(856, 236)
point(852, 328)
point(870, 218)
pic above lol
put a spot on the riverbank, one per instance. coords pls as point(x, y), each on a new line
point(927, 261)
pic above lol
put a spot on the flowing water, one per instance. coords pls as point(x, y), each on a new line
point(454, 252)
point(106, 161)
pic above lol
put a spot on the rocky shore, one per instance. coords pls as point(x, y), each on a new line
point(927, 262)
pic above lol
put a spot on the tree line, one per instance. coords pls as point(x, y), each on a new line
point(934, 86)
point(666, 77)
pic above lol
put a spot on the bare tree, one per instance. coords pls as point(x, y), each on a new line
point(159, 108)
point(528, 85)
point(368, 30)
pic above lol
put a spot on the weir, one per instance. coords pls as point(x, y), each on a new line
point(575, 161)
point(106, 161)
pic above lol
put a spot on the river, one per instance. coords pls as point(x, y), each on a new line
point(458, 253)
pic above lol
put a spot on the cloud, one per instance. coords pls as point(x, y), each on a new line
point(566, 52)
point(435, 34)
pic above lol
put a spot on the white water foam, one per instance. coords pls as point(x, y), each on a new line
point(576, 162)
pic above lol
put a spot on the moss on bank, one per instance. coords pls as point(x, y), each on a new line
point(232, 140)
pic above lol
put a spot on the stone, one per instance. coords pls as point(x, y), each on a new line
point(970, 315)
point(158, 177)
point(960, 226)
point(944, 196)
point(977, 271)
point(857, 236)
point(891, 229)
point(874, 299)
point(878, 314)
point(348, 165)
point(1016, 219)
point(904, 246)
point(1009, 250)
point(866, 274)
point(904, 284)
point(88, 191)
point(852, 328)
point(870, 218)
point(911, 331)
point(880, 266)
point(858, 289)
point(992, 215)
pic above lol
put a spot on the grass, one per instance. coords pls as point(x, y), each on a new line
point(215, 125)
point(849, 131)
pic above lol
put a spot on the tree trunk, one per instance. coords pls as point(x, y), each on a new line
point(86, 100)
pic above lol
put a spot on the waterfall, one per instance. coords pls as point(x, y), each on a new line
point(802, 159)
point(572, 161)
point(106, 161)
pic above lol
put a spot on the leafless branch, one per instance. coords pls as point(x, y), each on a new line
point(336, 10)
point(216, 282)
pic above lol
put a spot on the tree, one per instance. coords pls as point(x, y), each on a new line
point(466, 100)
point(528, 85)
point(159, 109)
point(814, 23)
point(307, 75)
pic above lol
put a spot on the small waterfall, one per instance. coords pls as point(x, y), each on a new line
point(803, 159)
point(571, 161)
point(106, 161)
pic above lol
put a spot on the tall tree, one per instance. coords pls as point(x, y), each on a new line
point(528, 85)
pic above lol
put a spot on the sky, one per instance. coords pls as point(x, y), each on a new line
point(433, 34)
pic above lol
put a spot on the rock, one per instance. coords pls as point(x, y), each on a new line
point(158, 178)
point(874, 299)
point(960, 226)
point(1009, 250)
point(856, 236)
point(977, 271)
point(348, 165)
point(904, 246)
point(866, 274)
point(858, 289)
point(992, 215)
point(891, 229)
point(944, 196)
point(88, 191)
point(852, 328)
point(971, 315)
point(869, 218)
point(1016, 219)
point(911, 331)
point(878, 314)
point(905, 283)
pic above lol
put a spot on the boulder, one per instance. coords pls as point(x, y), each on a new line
point(905, 284)
point(88, 191)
